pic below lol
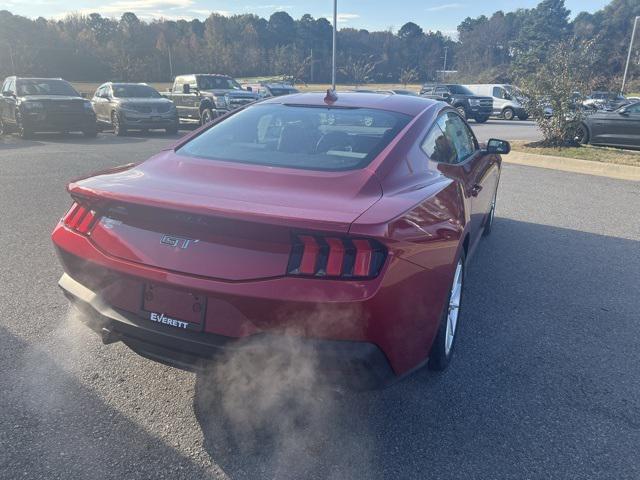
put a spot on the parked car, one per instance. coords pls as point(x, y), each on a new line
point(618, 128)
point(507, 99)
point(268, 89)
point(31, 105)
point(134, 106)
point(276, 220)
point(205, 97)
point(398, 91)
point(605, 101)
point(461, 98)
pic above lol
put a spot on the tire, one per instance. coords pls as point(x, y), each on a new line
point(524, 116)
point(172, 130)
point(488, 224)
point(206, 116)
point(118, 129)
point(443, 346)
point(582, 134)
point(508, 113)
point(461, 111)
point(23, 132)
point(91, 132)
point(481, 119)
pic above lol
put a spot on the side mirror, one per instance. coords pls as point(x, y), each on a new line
point(249, 88)
point(7, 93)
point(446, 96)
point(83, 95)
point(624, 112)
point(186, 89)
point(500, 147)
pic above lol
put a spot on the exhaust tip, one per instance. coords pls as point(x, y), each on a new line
point(109, 336)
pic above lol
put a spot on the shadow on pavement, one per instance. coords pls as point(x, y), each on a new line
point(70, 432)
point(545, 381)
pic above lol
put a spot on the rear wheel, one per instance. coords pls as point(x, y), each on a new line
point(172, 130)
point(91, 132)
point(582, 134)
point(508, 113)
point(118, 129)
point(523, 116)
point(462, 112)
point(442, 349)
point(482, 119)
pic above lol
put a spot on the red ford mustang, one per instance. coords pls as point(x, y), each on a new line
point(346, 221)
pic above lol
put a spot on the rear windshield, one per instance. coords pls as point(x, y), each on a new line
point(34, 86)
point(134, 91)
point(315, 138)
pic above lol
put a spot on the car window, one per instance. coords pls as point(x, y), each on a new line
point(134, 91)
point(315, 138)
point(5, 86)
point(449, 140)
point(498, 92)
point(634, 109)
point(442, 90)
point(11, 85)
point(34, 86)
point(177, 87)
point(459, 134)
point(438, 147)
point(427, 89)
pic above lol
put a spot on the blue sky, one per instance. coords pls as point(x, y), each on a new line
point(370, 14)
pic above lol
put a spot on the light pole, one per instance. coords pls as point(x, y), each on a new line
point(444, 67)
point(333, 60)
point(626, 68)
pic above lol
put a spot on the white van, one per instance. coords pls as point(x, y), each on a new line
point(506, 99)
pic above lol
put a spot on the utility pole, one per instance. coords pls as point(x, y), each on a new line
point(626, 68)
point(170, 62)
point(335, 29)
point(13, 65)
point(444, 68)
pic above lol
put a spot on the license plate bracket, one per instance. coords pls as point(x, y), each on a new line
point(174, 308)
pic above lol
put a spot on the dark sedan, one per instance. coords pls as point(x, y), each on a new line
point(30, 105)
point(620, 128)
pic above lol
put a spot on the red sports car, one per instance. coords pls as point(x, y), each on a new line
point(344, 220)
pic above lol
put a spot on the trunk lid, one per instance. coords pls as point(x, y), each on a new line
point(218, 219)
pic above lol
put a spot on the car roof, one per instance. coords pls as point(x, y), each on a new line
point(406, 104)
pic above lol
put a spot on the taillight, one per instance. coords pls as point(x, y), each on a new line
point(335, 257)
point(80, 218)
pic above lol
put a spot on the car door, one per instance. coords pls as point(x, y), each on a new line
point(101, 105)
point(630, 126)
point(499, 101)
point(443, 94)
point(477, 172)
point(607, 128)
point(9, 102)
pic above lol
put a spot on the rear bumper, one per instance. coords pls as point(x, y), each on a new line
point(363, 362)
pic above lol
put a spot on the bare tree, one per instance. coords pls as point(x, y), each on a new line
point(408, 75)
point(359, 71)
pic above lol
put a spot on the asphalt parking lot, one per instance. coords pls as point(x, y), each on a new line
point(545, 382)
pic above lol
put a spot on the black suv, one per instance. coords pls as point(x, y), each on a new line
point(30, 105)
point(461, 98)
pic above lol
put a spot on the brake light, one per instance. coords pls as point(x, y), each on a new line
point(80, 218)
point(334, 257)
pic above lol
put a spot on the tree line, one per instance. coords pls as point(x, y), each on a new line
point(502, 47)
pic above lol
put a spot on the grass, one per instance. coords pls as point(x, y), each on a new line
point(587, 152)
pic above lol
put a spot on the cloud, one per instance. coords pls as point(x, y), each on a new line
point(446, 6)
point(206, 13)
point(143, 6)
point(342, 17)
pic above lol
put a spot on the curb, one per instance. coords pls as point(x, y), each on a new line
point(587, 167)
